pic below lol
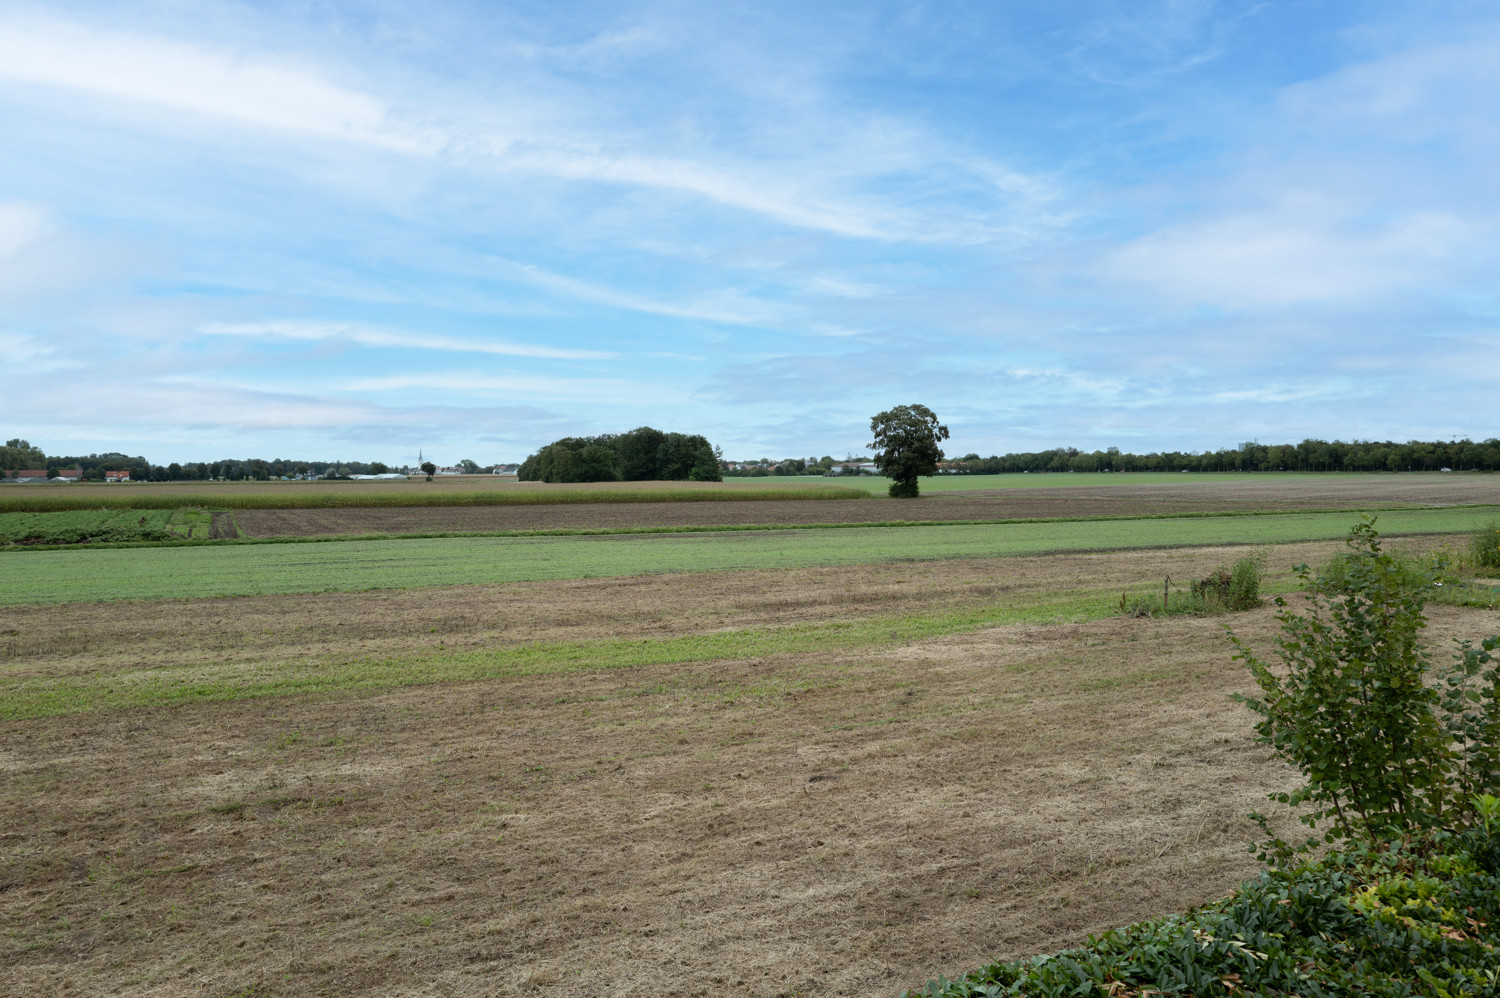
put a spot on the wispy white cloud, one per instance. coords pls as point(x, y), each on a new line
point(519, 385)
point(747, 189)
point(1411, 94)
point(303, 329)
point(39, 256)
point(21, 225)
point(249, 88)
point(810, 189)
point(28, 353)
point(1287, 256)
point(726, 307)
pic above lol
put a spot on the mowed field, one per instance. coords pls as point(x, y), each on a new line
point(766, 762)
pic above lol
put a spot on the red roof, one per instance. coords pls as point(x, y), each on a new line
point(116, 474)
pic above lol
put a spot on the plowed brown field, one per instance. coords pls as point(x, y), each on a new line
point(1231, 495)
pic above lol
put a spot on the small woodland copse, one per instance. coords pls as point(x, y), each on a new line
point(642, 455)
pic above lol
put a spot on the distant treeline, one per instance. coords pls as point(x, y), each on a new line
point(642, 455)
point(1309, 455)
point(646, 454)
point(18, 455)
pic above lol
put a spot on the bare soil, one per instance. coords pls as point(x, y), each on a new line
point(1230, 495)
point(816, 823)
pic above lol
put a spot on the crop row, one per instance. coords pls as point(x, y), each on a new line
point(35, 500)
point(85, 526)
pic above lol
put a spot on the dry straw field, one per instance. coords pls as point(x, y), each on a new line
point(856, 777)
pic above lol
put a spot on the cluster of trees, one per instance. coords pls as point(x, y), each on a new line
point(643, 454)
point(18, 455)
point(1309, 455)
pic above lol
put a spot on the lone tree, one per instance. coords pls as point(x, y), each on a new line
point(429, 469)
point(906, 446)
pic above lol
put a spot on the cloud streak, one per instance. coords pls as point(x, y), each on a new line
point(310, 330)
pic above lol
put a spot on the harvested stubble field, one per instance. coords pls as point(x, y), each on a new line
point(817, 818)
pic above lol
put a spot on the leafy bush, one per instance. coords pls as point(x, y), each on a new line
point(1414, 917)
point(1440, 573)
point(1244, 584)
point(1409, 571)
point(1225, 590)
point(1384, 745)
point(1484, 546)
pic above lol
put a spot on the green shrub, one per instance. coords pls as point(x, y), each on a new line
point(904, 489)
point(1244, 584)
point(1484, 546)
point(1385, 746)
point(1225, 590)
point(1410, 571)
point(1401, 919)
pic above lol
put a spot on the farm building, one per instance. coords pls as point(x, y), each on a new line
point(117, 476)
point(40, 475)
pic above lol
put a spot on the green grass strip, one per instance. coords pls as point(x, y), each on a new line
point(84, 575)
point(25, 499)
point(134, 689)
point(31, 697)
point(201, 538)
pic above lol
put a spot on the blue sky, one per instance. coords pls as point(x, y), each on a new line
point(352, 230)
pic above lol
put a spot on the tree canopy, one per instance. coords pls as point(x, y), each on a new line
point(17, 454)
point(641, 455)
point(906, 446)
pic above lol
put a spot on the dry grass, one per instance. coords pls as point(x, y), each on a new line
point(761, 828)
point(815, 823)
